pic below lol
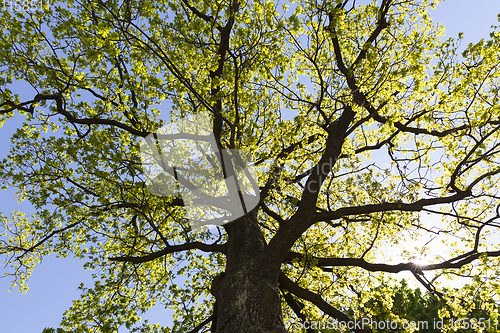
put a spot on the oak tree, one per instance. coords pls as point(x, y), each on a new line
point(364, 128)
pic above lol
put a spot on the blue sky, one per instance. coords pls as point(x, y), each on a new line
point(54, 283)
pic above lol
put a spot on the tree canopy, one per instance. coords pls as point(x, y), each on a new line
point(364, 128)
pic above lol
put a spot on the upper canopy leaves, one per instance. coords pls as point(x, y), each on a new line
point(387, 121)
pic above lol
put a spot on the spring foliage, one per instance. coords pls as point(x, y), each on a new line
point(357, 113)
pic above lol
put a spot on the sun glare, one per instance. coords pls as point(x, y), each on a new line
point(420, 260)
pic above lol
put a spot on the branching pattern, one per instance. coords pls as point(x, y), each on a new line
point(394, 137)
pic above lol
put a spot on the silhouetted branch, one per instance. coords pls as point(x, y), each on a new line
point(172, 249)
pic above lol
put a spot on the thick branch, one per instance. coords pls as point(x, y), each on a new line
point(391, 206)
point(205, 17)
point(86, 121)
point(297, 308)
point(172, 249)
point(317, 300)
point(454, 263)
point(336, 137)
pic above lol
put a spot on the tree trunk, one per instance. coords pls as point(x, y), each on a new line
point(247, 297)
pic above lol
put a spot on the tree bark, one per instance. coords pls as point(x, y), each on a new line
point(247, 296)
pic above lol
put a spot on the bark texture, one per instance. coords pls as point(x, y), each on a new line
point(247, 296)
